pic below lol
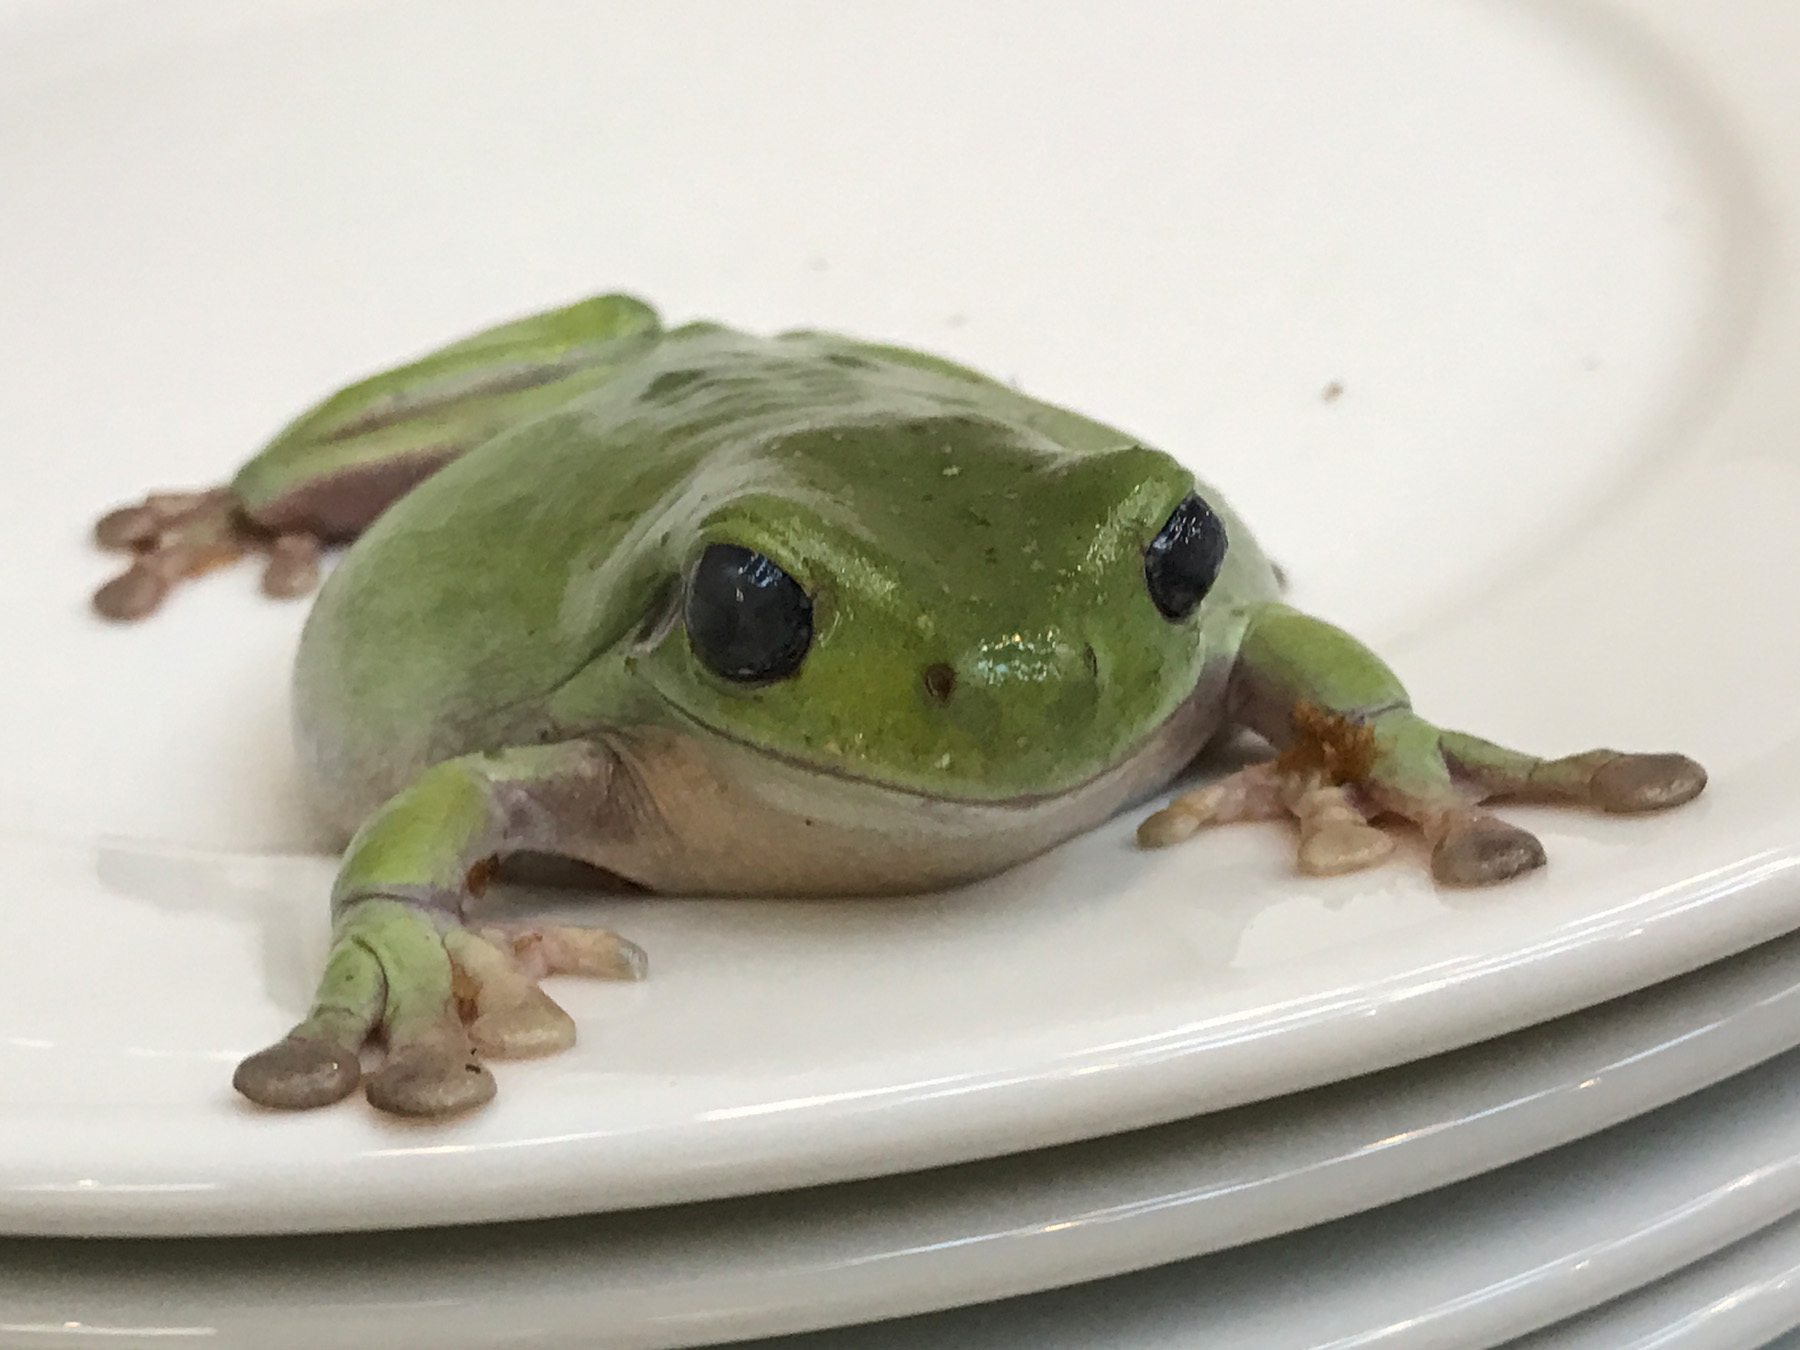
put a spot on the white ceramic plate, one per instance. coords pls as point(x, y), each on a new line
point(1735, 1300)
point(1461, 1268)
point(986, 1230)
point(1545, 263)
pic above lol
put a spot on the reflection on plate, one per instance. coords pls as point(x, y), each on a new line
point(1513, 239)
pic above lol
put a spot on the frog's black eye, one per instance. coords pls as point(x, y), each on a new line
point(1183, 561)
point(747, 619)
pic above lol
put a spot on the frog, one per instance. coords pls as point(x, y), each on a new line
point(720, 614)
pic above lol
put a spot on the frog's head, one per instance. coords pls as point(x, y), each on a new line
point(950, 606)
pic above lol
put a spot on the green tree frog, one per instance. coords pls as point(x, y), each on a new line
point(802, 615)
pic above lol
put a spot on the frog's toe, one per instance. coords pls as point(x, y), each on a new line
point(1334, 836)
point(128, 528)
point(513, 1017)
point(617, 959)
point(135, 593)
point(1633, 783)
point(433, 1076)
point(1168, 826)
point(141, 525)
point(174, 536)
point(298, 1073)
point(292, 569)
point(1343, 846)
point(565, 949)
point(1252, 793)
point(528, 1029)
point(1482, 850)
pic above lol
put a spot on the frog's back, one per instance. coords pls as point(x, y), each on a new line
point(451, 622)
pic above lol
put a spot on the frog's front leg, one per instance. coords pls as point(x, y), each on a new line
point(1351, 745)
point(406, 967)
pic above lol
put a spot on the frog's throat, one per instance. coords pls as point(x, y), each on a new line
point(1172, 725)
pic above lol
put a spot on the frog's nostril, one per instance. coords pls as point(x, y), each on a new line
point(940, 682)
point(1090, 661)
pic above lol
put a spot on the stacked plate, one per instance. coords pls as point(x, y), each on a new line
point(1486, 316)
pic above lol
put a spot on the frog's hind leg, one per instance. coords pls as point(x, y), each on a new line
point(339, 465)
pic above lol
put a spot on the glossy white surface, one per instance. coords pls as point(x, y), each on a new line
point(1519, 238)
point(1461, 1268)
point(1735, 1300)
point(909, 1244)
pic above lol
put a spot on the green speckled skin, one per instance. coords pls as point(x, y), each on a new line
point(501, 664)
point(933, 515)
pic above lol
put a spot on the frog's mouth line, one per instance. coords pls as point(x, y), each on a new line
point(1020, 802)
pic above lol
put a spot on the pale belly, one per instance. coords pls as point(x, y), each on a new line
point(687, 812)
point(709, 817)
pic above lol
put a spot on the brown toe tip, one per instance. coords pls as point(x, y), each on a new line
point(431, 1086)
point(127, 528)
point(1632, 783)
point(1484, 851)
point(293, 567)
point(1344, 847)
point(296, 1075)
point(133, 594)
